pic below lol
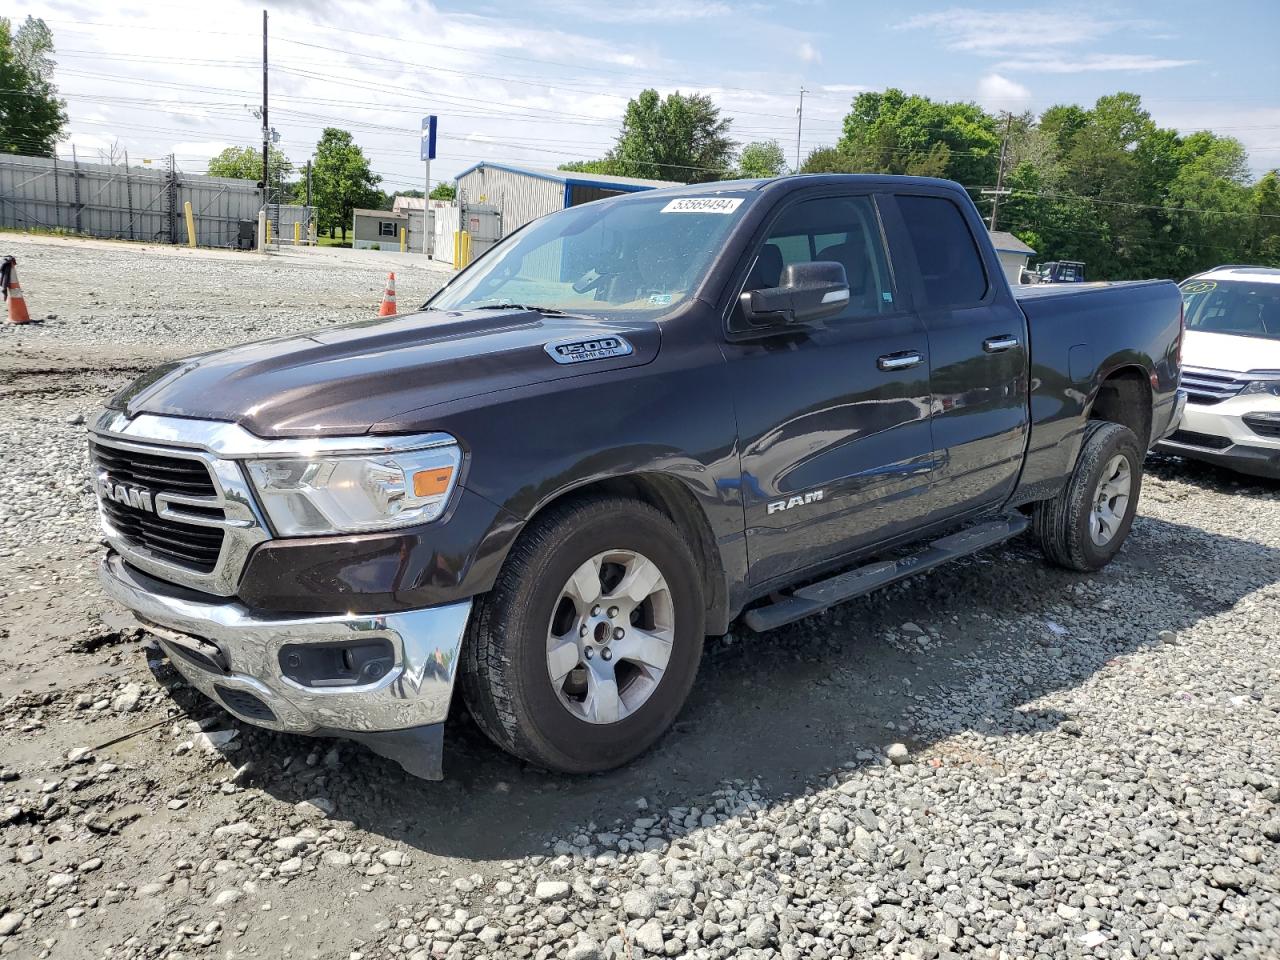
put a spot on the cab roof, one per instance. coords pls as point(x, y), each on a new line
point(794, 181)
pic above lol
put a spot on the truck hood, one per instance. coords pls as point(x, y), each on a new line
point(345, 380)
point(1230, 351)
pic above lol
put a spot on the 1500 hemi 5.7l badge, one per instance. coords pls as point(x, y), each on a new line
point(597, 348)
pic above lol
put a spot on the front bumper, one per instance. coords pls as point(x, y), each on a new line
point(231, 655)
point(1219, 433)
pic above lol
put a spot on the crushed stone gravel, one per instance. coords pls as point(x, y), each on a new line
point(995, 760)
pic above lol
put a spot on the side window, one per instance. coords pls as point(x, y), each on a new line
point(950, 266)
point(843, 229)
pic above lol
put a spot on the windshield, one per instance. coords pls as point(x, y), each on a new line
point(1240, 307)
point(637, 256)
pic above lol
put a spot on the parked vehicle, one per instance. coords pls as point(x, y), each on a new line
point(1232, 372)
point(629, 424)
point(1055, 271)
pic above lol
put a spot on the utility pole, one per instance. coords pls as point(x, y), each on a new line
point(799, 126)
point(1000, 190)
point(311, 214)
point(266, 127)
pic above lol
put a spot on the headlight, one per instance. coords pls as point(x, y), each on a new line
point(306, 496)
point(1255, 387)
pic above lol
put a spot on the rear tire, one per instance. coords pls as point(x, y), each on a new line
point(578, 682)
point(1085, 526)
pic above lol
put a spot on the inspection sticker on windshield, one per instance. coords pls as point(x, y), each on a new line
point(579, 351)
point(703, 205)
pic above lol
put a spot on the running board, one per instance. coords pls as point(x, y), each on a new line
point(824, 594)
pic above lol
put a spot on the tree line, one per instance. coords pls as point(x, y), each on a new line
point(1104, 184)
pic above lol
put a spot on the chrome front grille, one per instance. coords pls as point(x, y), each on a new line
point(136, 520)
point(1205, 386)
point(181, 515)
point(158, 471)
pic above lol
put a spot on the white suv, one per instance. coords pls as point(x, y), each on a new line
point(1231, 370)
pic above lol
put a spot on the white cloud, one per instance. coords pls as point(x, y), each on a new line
point(653, 11)
point(1000, 93)
point(1093, 63)
point(966, 28)
point(808, 53)
point(844, 88)
point(1039, 42)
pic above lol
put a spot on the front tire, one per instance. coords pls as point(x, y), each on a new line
point(1085, 526)
point(584, 651)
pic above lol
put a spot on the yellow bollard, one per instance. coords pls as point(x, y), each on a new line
point(404, 240)
point(191, 224)
point(297, 233)
point(268, 230)
point(466, 249)
point(457, 249)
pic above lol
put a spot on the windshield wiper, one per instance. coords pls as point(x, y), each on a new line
point(545, 311)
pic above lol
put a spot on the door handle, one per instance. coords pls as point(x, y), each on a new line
point(899, 361)
point(999, 344)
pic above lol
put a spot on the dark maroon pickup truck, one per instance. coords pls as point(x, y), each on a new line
point(628, 425)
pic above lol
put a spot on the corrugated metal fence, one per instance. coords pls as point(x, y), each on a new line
point(132, 203)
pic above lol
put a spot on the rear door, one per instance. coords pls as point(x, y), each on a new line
point(978, 354)
point(833, 416)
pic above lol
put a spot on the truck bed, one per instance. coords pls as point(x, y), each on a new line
point(1080, 334)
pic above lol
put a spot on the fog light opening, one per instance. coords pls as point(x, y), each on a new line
point(337, 664)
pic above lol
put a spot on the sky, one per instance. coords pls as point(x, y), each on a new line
point(545, 81)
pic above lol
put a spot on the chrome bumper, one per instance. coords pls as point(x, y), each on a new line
point(415, 693)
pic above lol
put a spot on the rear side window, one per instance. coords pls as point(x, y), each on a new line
point(950, 266)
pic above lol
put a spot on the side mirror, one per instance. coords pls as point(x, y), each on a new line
point(805, 292)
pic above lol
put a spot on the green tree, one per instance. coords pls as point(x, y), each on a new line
point(828, 160)
point(761, 159)
point(678, 137)
point(1264, 243)
point(245, 163)
point(605, 166)
point(341, 180)
point(675, 137)
point(444, 191)
point(893, 132)
point(32, 117)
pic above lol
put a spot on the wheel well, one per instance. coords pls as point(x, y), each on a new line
point(675, 500)
point(1125, 398)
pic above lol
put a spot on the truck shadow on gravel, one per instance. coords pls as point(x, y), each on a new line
point(966, 648)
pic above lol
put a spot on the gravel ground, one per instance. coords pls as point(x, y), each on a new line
point(998, 759)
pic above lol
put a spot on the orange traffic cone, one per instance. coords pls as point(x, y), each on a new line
point(388, 307)
point(13, 292)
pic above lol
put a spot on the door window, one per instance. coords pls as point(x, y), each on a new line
point(843, 229)
point(950, 267)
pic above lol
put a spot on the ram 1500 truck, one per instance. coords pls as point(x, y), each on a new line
point(629, 424)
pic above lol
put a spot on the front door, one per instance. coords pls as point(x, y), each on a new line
point(833, 416)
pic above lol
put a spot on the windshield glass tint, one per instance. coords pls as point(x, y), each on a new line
point(637, 256)
point(1233, 306)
